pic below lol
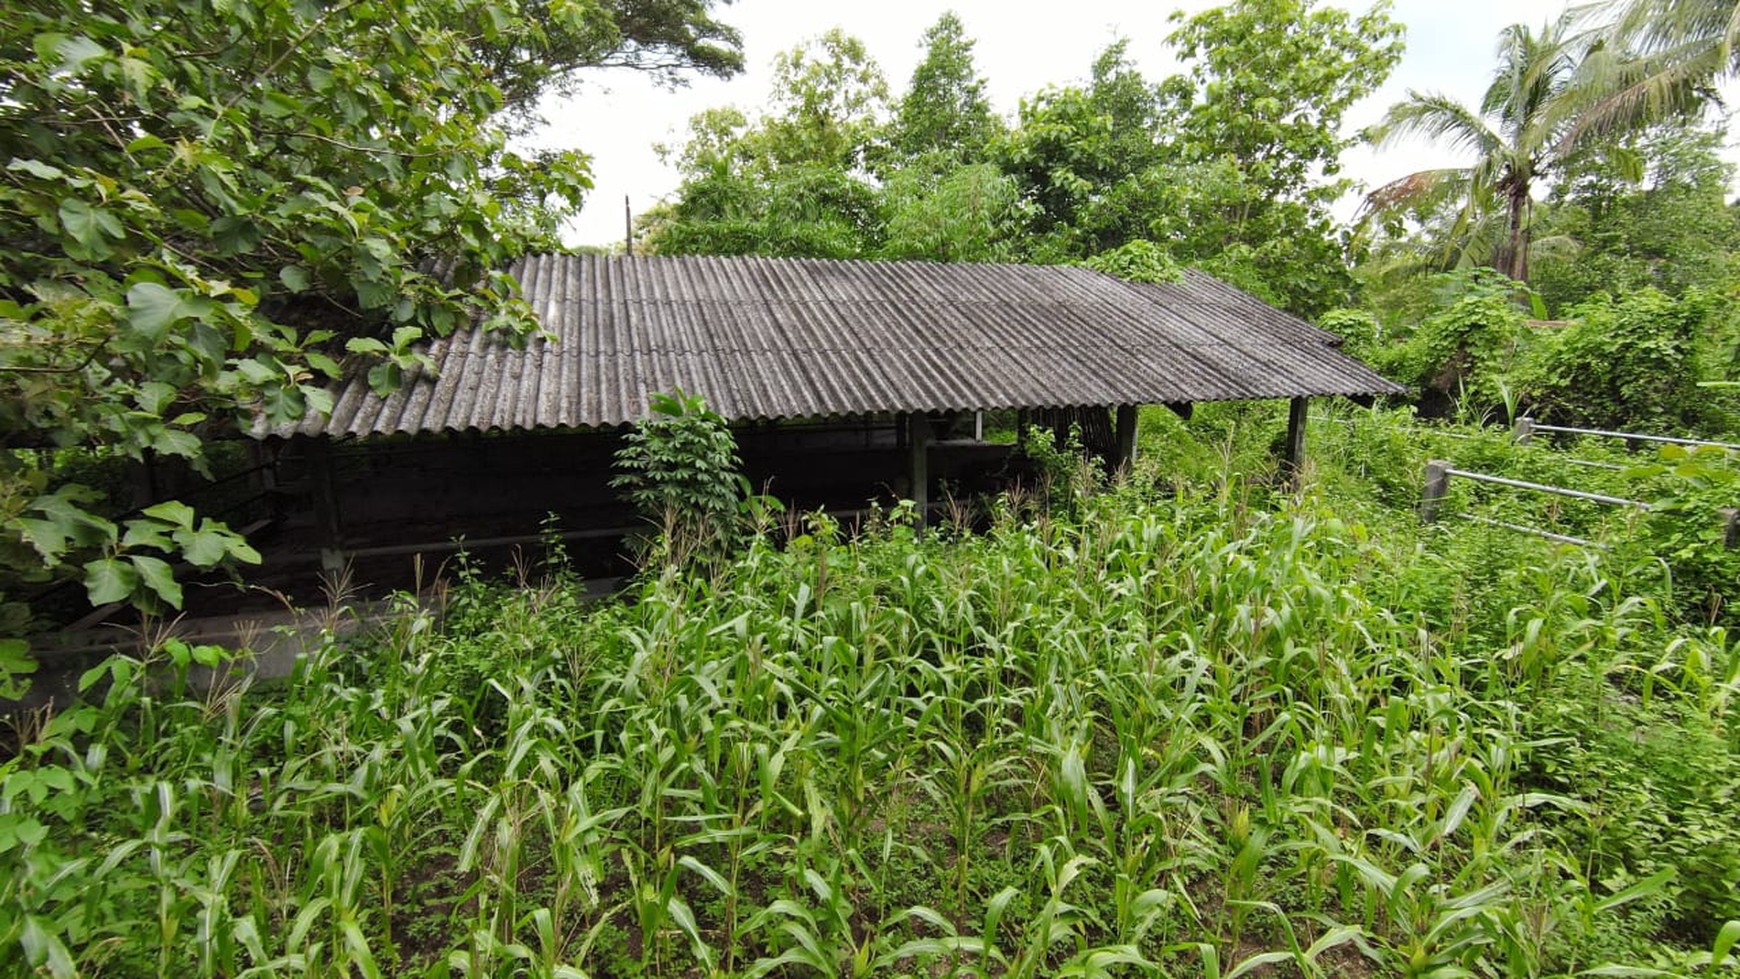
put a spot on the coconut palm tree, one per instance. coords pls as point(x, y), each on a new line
point(1516, 136)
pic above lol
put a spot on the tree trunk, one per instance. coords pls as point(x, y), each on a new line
point(1514, 260)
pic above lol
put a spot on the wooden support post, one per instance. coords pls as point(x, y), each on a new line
point(1294, 458)
point(1183, 409)
point(146, 489)
point(1126, 435)
point(918, 463)
point(1523, 432)
point(1731, 528)
point(264, 456)
point(327, 526)
point(978, 426)
point(1437, 486)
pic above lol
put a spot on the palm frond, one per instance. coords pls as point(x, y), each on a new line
point(1423, 189)
point(1613, 93)
point(1436, 117)
point(1533, 70)
point(1559, 246)
point(1655, 26)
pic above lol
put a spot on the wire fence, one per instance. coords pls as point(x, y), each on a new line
point(1439, 473)
point(1437, 488)
point(1526, 427)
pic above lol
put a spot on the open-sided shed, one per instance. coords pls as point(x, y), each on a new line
point(813, 358)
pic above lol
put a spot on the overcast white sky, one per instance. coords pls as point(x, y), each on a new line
point(1021, 48)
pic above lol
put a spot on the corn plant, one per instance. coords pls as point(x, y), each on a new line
point(1209, 729)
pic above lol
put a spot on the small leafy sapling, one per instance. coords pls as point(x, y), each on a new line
point(679, 468)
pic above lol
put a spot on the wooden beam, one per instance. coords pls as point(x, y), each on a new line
point(918, 463)
point(1126, 437)
point(461, 544)
point(1293, 458)
point(1183, 409)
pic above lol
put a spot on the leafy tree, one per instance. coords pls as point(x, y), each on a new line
point(208, 203)
point(1672, 230)
point(716, 138)
point(790, 182)
point(1230, 166)
point(828, 102)
point(554, 41)
point(1250, 143)
point(1255, 135)
point(1268, 85)
point(829, 98)
point(796, 211)
point(945, 112)
point(969, 214)
point(1072, 145)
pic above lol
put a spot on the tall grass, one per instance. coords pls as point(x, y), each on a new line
point(1181, 732)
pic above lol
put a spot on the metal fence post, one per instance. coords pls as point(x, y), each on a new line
point(1437, 485)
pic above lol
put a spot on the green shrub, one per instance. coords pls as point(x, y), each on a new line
point(1663, 785)
point(1360, 333)
point(1462, 351)
point(680, 469)
point(1691, 490)
point(1139, 260)
point(1623, 363)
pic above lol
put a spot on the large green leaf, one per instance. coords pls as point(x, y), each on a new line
point(110, 580)
point(16, 666)
point(154, 309)
point(295, 278)
point(159, 577)
point(91, 227)
point(76, 51)
point(172, 511)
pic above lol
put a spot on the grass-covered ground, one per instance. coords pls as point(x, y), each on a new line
point(1190, 726)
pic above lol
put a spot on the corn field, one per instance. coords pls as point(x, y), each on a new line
point(1172, 733)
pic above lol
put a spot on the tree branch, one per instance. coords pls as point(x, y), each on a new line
point(261, 75)
point(89, 359)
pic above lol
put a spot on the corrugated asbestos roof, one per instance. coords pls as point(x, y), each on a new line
point(786, 338)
